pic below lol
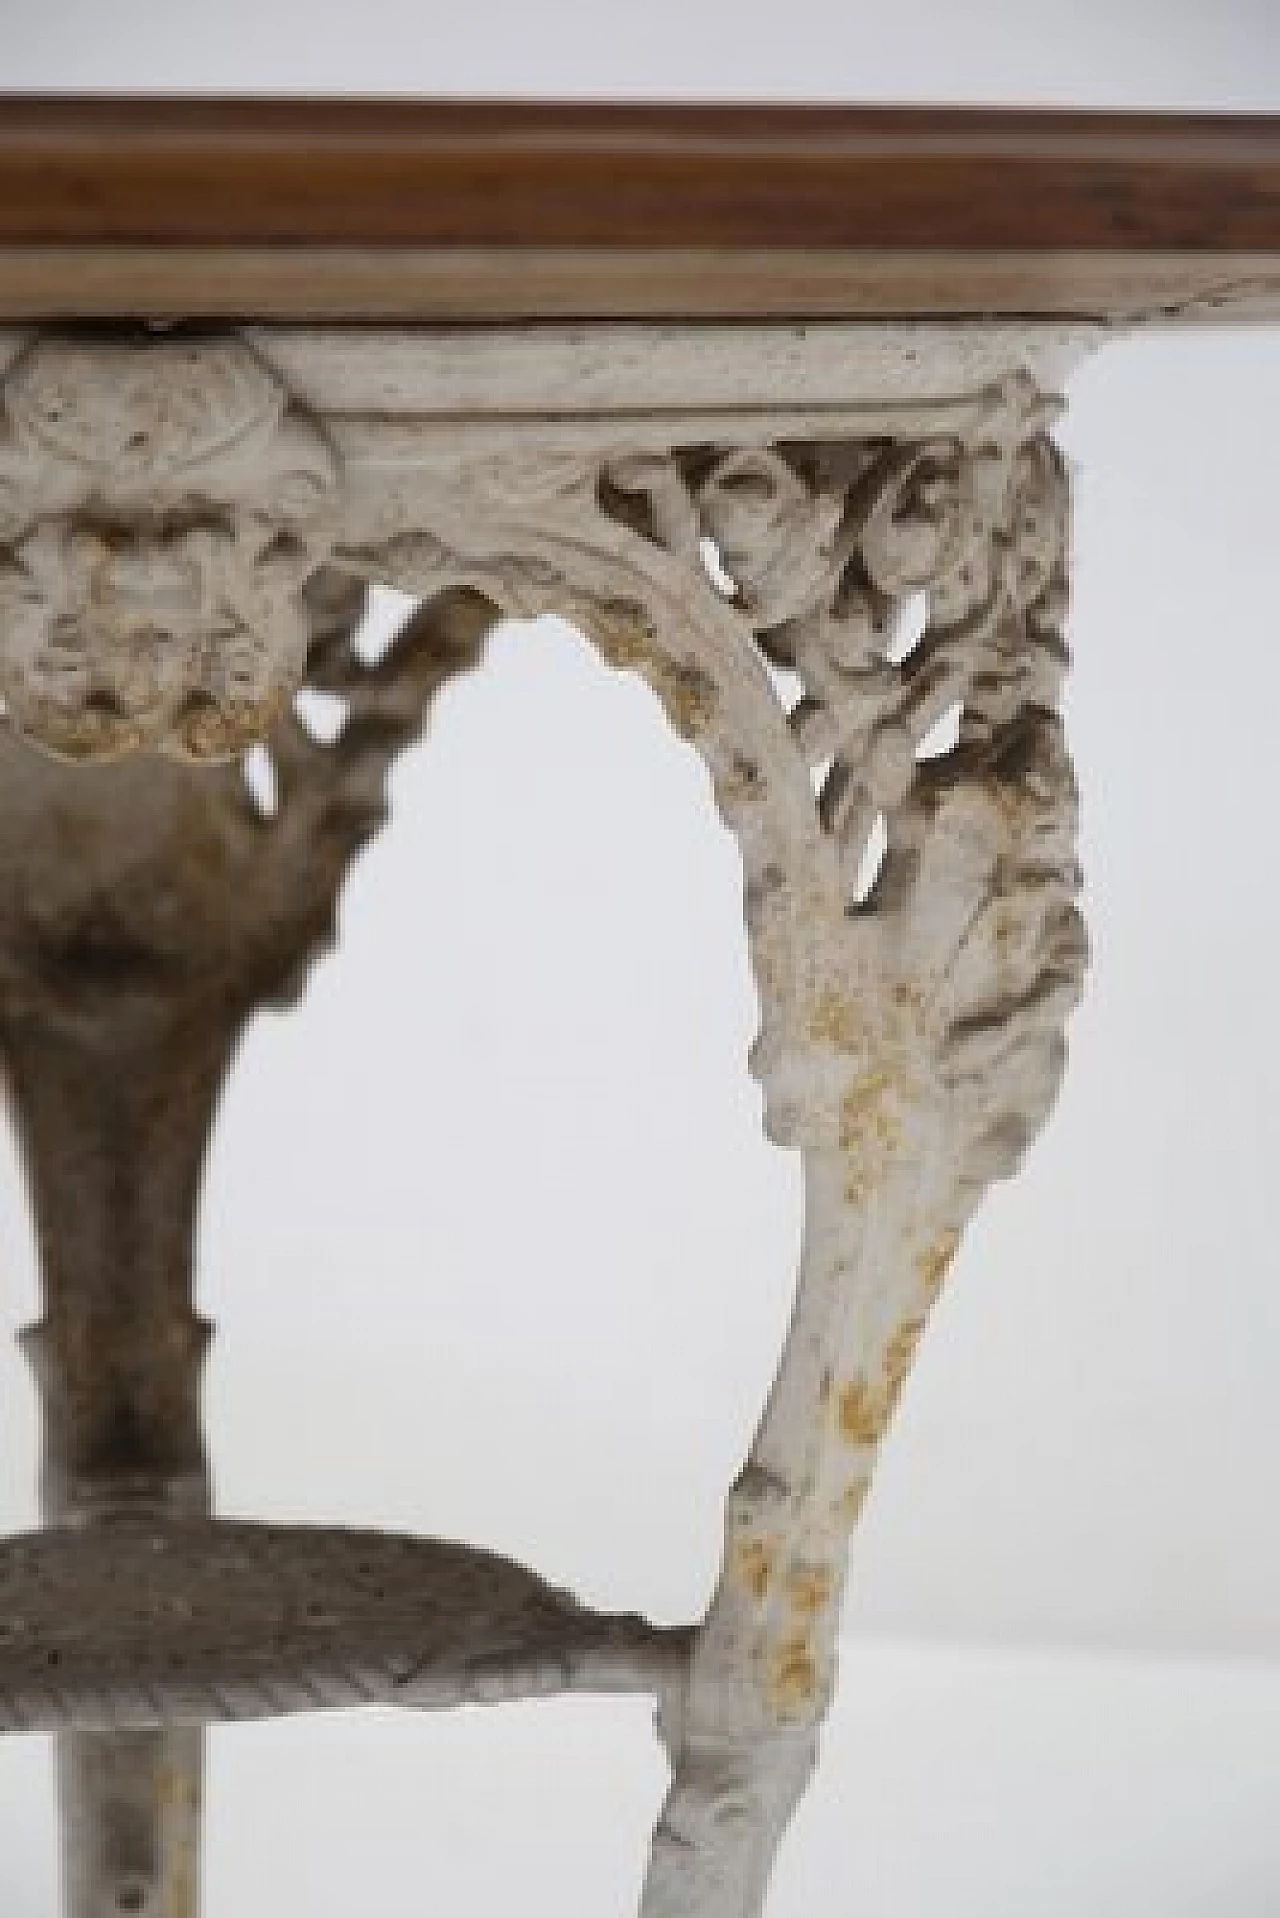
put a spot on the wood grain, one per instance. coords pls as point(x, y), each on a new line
point(973, 208)
point(478, 284)
point(491, 174)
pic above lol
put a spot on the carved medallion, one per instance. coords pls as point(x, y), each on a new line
point(162, 504)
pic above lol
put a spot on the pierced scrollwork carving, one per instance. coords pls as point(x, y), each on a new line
point(862, 637)
point(864, 641)
point(161, 505)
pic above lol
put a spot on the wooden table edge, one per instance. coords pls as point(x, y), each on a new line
point(420, 285)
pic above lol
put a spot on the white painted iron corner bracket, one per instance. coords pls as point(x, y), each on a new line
point(840, 556)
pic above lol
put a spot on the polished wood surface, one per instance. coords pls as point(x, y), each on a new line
point(488, 174)
point(628, 208)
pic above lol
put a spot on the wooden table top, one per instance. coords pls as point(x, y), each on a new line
point(493, 210)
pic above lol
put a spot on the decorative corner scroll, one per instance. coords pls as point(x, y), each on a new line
point(162, 503)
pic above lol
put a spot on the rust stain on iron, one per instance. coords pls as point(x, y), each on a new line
point(743, 780)
point(810, 1589)
point(625, 636)
point(622, 631)
point(900, 1352)
point(934, 1262)
point(857, 1189)
point(754, 1561)
point(837, 1021)
point(863, 1412)
point(793, 1677)
point(687, 693)
point(848, 1507)
point(866, 1117)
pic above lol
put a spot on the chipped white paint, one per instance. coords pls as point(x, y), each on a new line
point(757, 521)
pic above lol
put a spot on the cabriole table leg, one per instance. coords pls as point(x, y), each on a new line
point(840, 558)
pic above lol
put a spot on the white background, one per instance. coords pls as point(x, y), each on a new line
point(495, 1246)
